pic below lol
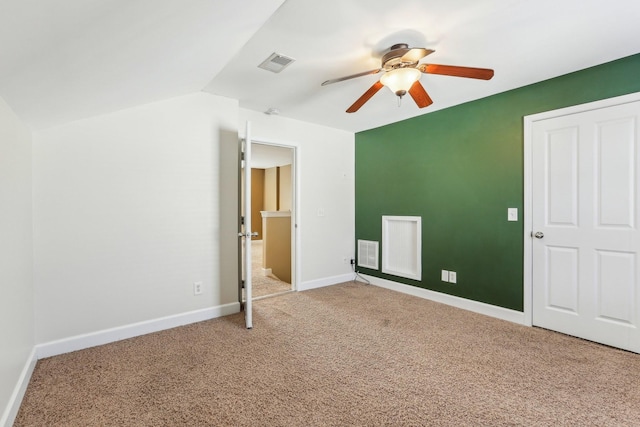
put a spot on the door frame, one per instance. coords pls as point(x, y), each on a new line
point(528, 182)
point(295, 205)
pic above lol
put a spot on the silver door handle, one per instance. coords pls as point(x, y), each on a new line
point(539, 235)
point(248, 235)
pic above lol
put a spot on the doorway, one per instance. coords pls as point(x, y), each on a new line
point(582, 204)
point(273, 173)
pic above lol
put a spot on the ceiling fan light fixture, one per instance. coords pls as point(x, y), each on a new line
point(400, 80)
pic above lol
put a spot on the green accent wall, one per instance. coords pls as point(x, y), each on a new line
point(460, 169)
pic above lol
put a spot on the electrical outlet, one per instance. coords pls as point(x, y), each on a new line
point(197, 288)
point(445, 276)
point(353, 261)
point(453, 277)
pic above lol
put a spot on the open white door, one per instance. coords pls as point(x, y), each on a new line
point(245, 224)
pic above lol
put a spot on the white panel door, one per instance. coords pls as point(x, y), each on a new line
point(585, 218)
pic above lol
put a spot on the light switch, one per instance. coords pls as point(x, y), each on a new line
point(512, 214)
point(453, 277)
point(445, 276)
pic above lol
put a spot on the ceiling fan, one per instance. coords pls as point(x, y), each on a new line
point(402, 73)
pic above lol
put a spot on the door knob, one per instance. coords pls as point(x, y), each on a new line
point(539, 235)
point(248, 235)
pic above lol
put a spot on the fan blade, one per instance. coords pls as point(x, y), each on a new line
point(420, 95)
point(416, 54)
point(452, 70)
point(353, 76)
point(365, 97)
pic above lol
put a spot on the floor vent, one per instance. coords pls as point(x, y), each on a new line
point(276, 63)
point(368, 254)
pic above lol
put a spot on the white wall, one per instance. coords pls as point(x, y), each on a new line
point(326, 165)
point(16, 254)
point(130, 209)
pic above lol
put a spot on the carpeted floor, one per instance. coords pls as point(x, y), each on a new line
point(263, 285)
point(345, 355)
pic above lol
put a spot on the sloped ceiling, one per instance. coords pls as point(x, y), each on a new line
point(62, 60)
point(69, 59)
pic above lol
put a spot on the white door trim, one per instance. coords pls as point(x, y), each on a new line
point(528, 138)
point(295, 212)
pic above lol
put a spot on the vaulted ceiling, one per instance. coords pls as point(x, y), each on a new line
point(69, 59)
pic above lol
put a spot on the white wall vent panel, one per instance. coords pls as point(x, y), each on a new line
point(402, 246)
point(368, 254)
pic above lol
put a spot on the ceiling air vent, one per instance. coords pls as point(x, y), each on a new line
point(276, 62)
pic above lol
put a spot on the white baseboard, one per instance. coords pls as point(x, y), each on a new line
point(80, 342)
point(466, 304)
point(15, 400)
point(325, 281)
point(106, 336)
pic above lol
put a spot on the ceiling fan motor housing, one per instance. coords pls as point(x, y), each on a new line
point(393, 58)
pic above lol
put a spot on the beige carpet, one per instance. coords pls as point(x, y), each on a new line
point(346, 355)
point(263, 285)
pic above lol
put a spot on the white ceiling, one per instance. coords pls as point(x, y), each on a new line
point(61, 60)
point(269, 156)
point(68, 59)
